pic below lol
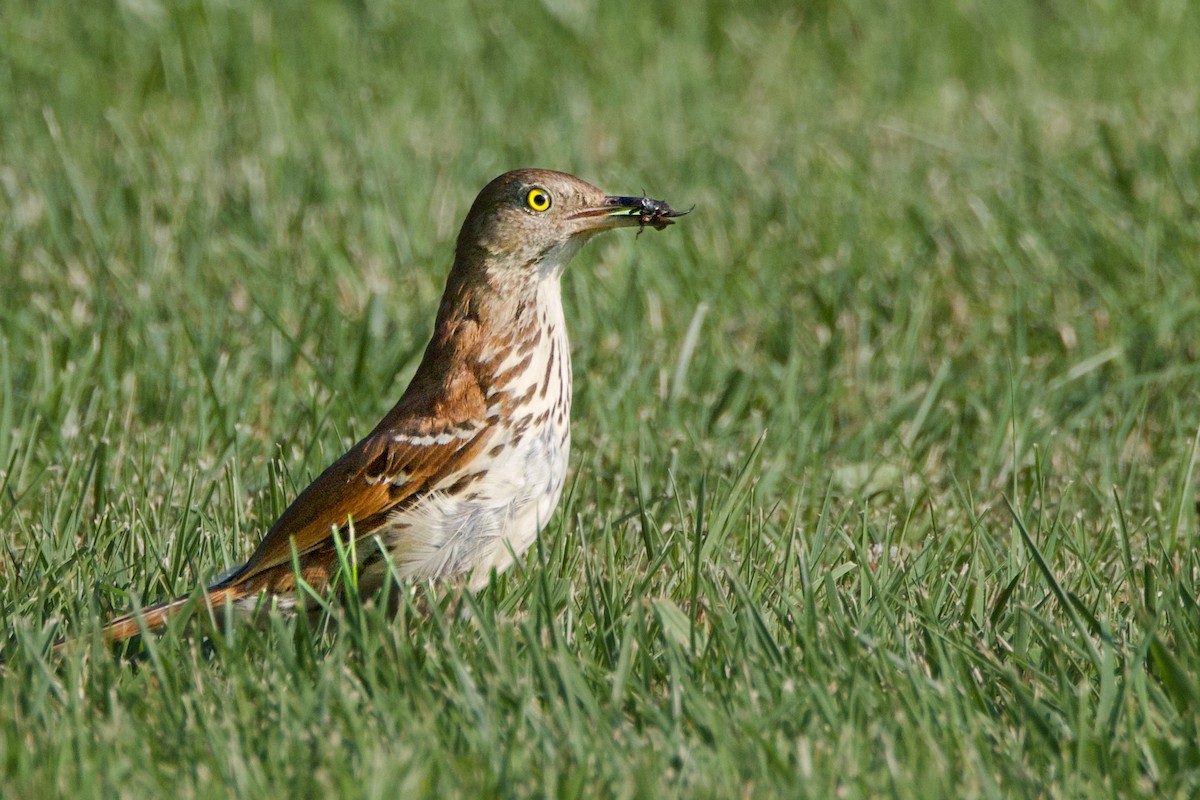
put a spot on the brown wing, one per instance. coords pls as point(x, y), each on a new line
point(383, 473)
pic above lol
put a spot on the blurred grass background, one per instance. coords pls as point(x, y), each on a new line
point(943, 254)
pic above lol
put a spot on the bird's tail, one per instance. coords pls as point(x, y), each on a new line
point(157, 616)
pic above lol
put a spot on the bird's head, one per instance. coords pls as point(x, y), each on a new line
point(527, 224)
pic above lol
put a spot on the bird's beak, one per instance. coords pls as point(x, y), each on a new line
point(618, 212)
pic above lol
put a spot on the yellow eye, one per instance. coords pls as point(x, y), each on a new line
point(537, 199)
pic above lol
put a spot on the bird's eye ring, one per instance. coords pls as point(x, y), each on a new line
point(537, 199)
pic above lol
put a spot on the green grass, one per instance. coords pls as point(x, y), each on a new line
point(945, 257)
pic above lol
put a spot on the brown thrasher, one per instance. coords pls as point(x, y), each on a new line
point(466, 469)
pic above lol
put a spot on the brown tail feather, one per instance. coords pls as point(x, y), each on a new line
point(156, 616)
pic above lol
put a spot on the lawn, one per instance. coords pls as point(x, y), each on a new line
point(884, 466)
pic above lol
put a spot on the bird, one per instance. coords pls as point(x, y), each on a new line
point(460, 476)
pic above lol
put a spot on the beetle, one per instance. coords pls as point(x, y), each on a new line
point(655, 213)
